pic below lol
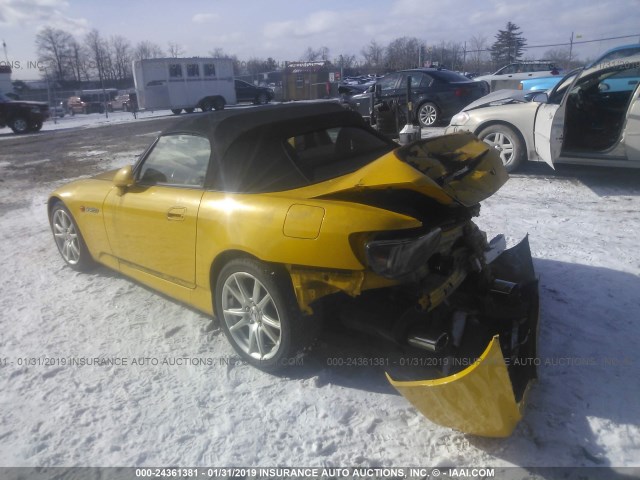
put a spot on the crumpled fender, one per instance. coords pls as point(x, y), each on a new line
point(481, 399)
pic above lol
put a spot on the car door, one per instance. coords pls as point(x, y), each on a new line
point(151, 226)
point(548, 131)
point(632, 127)
point(244, 91)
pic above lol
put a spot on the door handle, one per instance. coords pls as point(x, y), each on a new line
point(176, 213)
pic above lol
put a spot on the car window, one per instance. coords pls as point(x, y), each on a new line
point(507, 70)
point(388, 82)
point(329, 153)
point(176, 160)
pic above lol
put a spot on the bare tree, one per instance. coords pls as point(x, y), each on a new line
point(478, 53)
point(313, 55)
point(373, 54)
point(175, 50)
point(560, 56)
point(402, 53)
point(146, 49)
point(54, 49)
point(98, 53)
point(345, 61)
point(122, 56)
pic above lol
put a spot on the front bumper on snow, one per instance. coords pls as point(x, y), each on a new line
point(488, 396)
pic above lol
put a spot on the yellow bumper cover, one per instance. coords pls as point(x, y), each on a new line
point(478, 400)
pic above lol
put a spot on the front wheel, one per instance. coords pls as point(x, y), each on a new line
point(507, 143)
point(189, 110)
point(218, 104)
point(428, 114)
point(69, 239)
point(19, 125)
point(262, 98)
point(259, 313)
point(35, 127)
point(176, 111)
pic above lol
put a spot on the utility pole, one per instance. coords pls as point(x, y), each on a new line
point(570, 49)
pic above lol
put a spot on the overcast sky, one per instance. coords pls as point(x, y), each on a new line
point(283, 29)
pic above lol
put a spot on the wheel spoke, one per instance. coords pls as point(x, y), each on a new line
point(236, 295)
point(263, 302)
point(238, 312)
point(267, 320)
point(256, 290)
point(241, 323)
point(258, 334)
point(267, 331)
point(241, 289)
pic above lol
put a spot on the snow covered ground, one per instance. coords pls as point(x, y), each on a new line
point(162, 406)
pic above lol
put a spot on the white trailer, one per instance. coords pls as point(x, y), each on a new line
point(5, 79)
point(184, 83)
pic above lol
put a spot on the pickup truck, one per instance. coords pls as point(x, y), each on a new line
point(22, 116)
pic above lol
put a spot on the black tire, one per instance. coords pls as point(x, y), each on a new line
point(189, 110)
point(507, 142)
point(206, 105)
point(19, 125)
point(35, 127)
point(428, 114)
point(262, 98)
point(271, 348)
point(176, 111)
point(218, 104)
point(68, 239)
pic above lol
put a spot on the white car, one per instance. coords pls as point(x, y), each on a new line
point(511, 75)
point(591, 117)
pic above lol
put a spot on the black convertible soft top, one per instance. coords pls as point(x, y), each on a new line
point(247, 153)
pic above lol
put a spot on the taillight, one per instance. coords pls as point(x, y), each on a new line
point(461, 92)
point(520, 87)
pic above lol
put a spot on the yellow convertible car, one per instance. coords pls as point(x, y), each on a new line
point(259, 216)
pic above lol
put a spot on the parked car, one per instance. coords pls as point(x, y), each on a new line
point(22, 116)
point(612, 55)
point(591, 117)
point(263, 216)
point(246, 92)
point(437, 94)
point(616, 53)
point(539, 84)
point(510, 75)
point(121, 102)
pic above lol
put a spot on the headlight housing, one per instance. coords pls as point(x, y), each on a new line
point(400, 258)
point(460, 119)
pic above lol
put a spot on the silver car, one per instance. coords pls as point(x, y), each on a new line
point(591, 117)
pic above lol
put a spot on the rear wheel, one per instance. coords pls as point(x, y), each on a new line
point(259, 313)
point(35, 126)
point(507, 143)
point(428, 114)
point(189, 110)
point(69, 239)
point(206, 105)
point(19, 125)
point(176, 111)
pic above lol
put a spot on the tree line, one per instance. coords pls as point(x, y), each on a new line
point(69, 60)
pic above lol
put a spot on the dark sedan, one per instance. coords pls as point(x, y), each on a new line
point(436, 94)
point(245, 92)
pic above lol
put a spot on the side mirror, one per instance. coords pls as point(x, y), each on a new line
point(124, 177)
point(604, 87)
point(541, 97)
